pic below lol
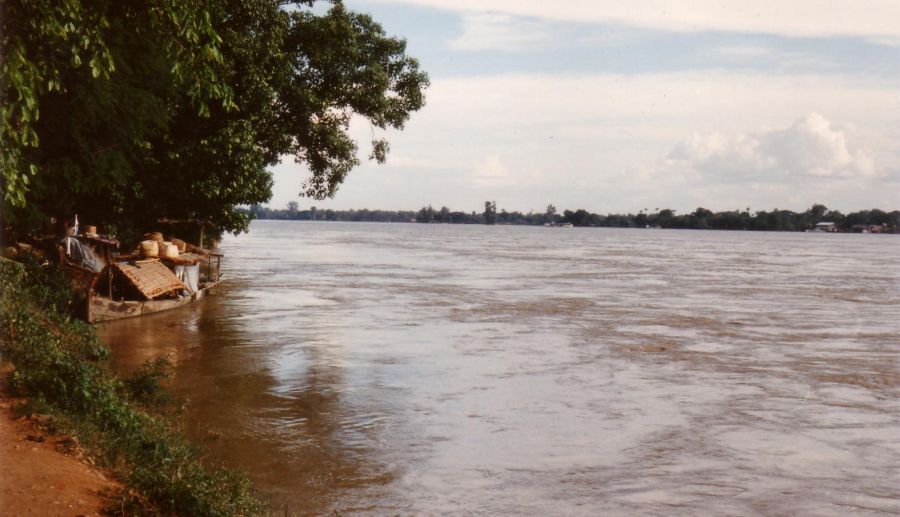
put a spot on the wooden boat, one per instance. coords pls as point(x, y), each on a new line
point(105, 308)
point(101, 308)
point(124, 286)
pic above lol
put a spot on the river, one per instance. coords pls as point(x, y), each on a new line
point(413, 369)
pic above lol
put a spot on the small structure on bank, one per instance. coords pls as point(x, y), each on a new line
point(825, 226)
point(158, 275)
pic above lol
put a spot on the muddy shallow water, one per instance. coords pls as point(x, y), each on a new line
point(435, 369)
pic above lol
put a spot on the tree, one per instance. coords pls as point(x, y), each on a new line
point(640, 220)
point(490, 212)
point(181, 118)
point(700, 218)
point(48, 45)
point(702, 213)
point(580, 217)
point(425, 214)
point(292, 207)
point(817, 211)
point(550, 214)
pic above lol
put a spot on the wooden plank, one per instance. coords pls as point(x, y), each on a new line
point(103, 309)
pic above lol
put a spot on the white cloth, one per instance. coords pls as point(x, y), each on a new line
point(189, 276)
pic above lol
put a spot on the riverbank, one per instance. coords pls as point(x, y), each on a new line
point(46, 474)
point(57, 364)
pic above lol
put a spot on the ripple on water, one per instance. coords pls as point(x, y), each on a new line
point(436, 369)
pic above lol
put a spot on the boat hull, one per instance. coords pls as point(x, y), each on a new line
point(102, 309)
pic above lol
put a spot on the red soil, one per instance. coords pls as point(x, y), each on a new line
point(41, 475)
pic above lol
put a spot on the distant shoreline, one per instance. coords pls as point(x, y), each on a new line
point(436, 223)
point(817, 218)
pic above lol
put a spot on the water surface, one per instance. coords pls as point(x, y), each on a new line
point(435, 369)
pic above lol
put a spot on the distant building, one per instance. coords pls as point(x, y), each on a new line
point(825, 226)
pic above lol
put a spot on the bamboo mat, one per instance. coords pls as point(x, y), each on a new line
point(150, 277)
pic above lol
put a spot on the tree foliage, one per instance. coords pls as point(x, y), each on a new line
point(490, 212)
point(48, 45)
point(126, 112)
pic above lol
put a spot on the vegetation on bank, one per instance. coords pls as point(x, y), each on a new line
point(127, 112)
point(57, 364)
point(701, 218)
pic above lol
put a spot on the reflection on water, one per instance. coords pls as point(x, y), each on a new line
point(423, 369)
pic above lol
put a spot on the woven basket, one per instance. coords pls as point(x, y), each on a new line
point(169, 250)
point(149, 248)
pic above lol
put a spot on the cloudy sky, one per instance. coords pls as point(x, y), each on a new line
point(619, 106)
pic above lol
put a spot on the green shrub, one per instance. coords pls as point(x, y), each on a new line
point(146, 385)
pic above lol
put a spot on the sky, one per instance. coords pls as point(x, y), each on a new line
point(618, 106)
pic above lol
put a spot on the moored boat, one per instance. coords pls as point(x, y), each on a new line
point(101, 308)
point(115, 286)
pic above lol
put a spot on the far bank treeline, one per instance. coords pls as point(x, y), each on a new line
point(700, 219)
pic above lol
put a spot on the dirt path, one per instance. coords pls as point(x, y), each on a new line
point(37, 478)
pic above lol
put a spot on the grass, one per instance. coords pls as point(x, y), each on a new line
point(58, 364)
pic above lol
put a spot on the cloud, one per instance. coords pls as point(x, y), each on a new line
point(601, 142)
point(885, 41)
point(497, 31)
point(799, 18)
point(491, 171)
point(772, 57)
point(810, 148)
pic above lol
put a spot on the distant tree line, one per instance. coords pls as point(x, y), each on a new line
point(699, 219)
point(293, 212)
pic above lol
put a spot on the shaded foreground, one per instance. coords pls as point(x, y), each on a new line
point(56, 364)
point(39, 479)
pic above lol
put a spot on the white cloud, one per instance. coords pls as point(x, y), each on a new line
point(721, 156)
point(497, 31)
point(815, 147)
point(776, 59)
point(600, 142)
point(869, 18)
point(745, 51)
point(810, 148)
point(400, 161)
point(886, 41)
point(491, 171)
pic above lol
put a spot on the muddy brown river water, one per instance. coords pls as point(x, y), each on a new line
point(403, 369)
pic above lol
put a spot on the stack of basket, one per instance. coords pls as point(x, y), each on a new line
point(149, 248)
point(169, 250)
point(155, 246)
